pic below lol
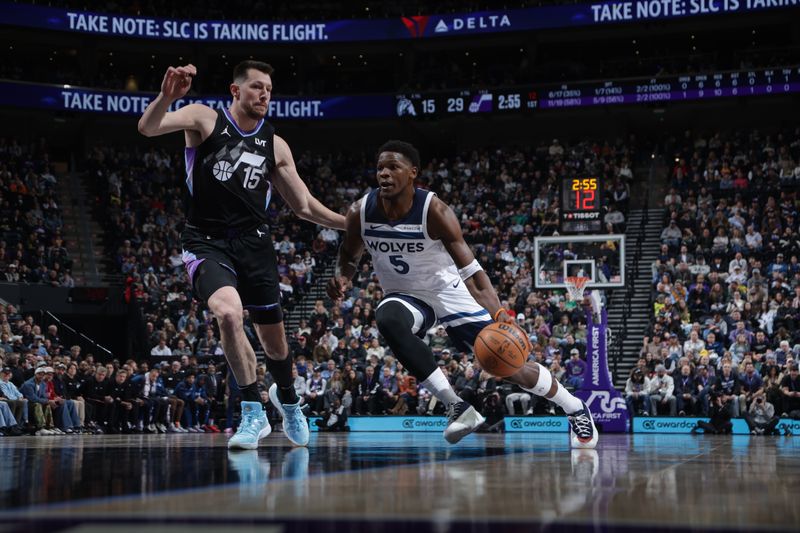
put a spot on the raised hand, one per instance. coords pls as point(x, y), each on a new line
point(177, 81)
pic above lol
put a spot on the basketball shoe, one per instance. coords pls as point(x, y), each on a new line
point(295, 424)
point(462, 419)
point(253, 427)
point(582, 433)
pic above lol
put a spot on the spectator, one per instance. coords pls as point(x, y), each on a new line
point(40, 407)
point(761, 418)
point(10, 395)
point(661, 391)
point(790, 387)
point(636, 396)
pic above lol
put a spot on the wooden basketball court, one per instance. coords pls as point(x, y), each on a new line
point(400, 482)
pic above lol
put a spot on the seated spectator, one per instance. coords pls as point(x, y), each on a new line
point(790, 387)
point(661, 392)
point(39, 406)
point(636, 395)
point(10, 395)
point(64, 411)
point(333, 418)
point(761, 419)
point(686, 400)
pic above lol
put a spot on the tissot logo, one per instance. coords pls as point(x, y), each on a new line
point(416, 25)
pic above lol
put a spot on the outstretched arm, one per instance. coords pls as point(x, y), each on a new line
point(350, 252)
point(295, 192)
point(194, 117)
point(443, 225)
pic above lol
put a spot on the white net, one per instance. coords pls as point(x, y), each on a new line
point(575, 286)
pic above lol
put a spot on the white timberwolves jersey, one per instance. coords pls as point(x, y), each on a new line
point(403, 254)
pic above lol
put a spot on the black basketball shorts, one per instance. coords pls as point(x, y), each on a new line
point(243, 259)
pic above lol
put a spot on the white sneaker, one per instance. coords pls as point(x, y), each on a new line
point(462, 419)
point(161, 428)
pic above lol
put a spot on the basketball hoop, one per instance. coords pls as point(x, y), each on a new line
point(575, 286)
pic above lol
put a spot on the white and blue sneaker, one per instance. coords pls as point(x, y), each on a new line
point(295, 424)
point(253, 427)
point(582, 432)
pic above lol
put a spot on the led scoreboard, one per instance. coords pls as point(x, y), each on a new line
point(581, 205)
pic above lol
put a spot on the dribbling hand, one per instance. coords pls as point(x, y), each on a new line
point(177, 81)
point(336, 287)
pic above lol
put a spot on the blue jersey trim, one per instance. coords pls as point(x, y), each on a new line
point(372, 212)
point(393, 234)
point(456, 316)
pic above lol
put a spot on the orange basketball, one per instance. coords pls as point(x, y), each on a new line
point(502, 349)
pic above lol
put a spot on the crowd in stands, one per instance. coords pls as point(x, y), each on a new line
point(32, 247)
point(724, 339)
point(503, 198)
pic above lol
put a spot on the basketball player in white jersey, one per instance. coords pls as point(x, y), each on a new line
point(430, 275)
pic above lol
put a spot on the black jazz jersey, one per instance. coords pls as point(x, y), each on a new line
point(228, 176)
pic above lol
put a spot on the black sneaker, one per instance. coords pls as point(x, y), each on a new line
point(582, 432)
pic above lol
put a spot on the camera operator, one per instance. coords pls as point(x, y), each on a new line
point(761, 417)
point(720, 422)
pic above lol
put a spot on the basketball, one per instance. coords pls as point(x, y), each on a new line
point(502, 349)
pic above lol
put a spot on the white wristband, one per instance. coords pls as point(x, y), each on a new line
point(469, 270)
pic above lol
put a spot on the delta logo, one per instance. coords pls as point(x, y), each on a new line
point(416, 25)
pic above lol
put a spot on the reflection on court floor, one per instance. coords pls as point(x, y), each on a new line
point(375, 481)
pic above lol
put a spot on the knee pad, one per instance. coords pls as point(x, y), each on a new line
point(393, 318)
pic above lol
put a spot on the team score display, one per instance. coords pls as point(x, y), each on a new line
point(455, 105)
point(509, 101)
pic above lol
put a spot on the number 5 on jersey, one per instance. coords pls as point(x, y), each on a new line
point(400, 266)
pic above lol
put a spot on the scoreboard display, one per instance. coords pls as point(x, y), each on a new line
point(581, 205)
point(595, 93)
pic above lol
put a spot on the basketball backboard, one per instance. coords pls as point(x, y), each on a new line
point(601, 258)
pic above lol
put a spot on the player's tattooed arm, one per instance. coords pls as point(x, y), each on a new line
point(350, 252)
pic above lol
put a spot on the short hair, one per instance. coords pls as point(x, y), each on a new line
point(401, 147)
point(240, 70)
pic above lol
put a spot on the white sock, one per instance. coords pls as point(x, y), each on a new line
point(439, 386)
point(569, 403)
point(562, 398)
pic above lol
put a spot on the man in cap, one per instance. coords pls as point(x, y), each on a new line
point(35, 391)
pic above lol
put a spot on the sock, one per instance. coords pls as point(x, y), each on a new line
point(562, 398)
point(569, 403)
point(282, 374)
point(439, 386)
point(250, 393)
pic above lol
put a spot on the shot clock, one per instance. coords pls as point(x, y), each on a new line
point(581, 205)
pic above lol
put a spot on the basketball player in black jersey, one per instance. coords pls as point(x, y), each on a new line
point(233, 158)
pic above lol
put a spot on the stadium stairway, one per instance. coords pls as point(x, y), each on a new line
point(305, 306)
point(629, 309)
point(80, 232)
